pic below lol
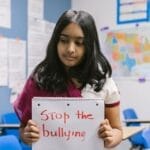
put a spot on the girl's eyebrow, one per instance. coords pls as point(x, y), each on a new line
point(73, 37)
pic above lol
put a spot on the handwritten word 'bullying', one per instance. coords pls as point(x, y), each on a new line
point(62, 132)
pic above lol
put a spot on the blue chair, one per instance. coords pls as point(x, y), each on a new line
point(9, 142)
point(11, 117)
point(141, 139)
point(146, 136)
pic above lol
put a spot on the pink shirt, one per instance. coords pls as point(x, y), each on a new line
point(22, 104)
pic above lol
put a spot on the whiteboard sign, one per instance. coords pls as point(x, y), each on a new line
point(68, 123)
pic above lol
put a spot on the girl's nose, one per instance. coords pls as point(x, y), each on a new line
point(71, 47)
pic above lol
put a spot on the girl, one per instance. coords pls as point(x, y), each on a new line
point(74, 66)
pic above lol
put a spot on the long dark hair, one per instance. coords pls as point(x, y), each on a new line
point(94, 69)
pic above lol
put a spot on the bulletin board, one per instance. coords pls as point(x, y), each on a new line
point(22, 22)
point(132, 11)
point(129, 51)
point(25, 29)
point(18, 19)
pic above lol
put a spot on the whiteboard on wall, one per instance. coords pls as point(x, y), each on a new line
point(68, 123)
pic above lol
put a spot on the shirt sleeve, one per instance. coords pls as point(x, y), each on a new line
point(111, 92)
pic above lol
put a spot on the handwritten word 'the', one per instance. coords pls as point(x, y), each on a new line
point(84, 115)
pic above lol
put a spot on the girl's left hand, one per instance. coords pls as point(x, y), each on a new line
point(30, 133)
point(106, 133)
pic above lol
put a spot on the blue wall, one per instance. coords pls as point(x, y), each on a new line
point(19, 29)
point(5, 105)
point(54, 8)
point(18, 20)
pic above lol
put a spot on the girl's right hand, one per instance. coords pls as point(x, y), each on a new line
point(30, 133)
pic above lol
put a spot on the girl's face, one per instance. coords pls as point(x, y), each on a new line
point(70, 47)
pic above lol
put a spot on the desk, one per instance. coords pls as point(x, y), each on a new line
point(136, 121)
point(8, 126)
point(3, 125)
point(129, 131)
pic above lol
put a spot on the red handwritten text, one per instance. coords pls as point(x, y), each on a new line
point(84, 115)
point(45, 115)
point(60, 132)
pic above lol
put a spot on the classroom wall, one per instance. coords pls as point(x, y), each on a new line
point(18, 21)
point(134, 89)
point(134, 92)
point(25, 19)
point(19, 29)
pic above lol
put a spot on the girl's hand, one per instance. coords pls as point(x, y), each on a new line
point(108, 134)
point(30, 133)
point(105, 132)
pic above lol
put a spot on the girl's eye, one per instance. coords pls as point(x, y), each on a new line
point(66, 40)
point(63, 40)
point(79, 43)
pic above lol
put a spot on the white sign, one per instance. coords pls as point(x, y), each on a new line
point(68, 123)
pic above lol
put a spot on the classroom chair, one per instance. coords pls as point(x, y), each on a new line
point(11, 117)
point(146, 135)
point(140, 140)
point(9, 142)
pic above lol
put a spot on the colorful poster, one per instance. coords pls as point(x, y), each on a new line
point(129, 51)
